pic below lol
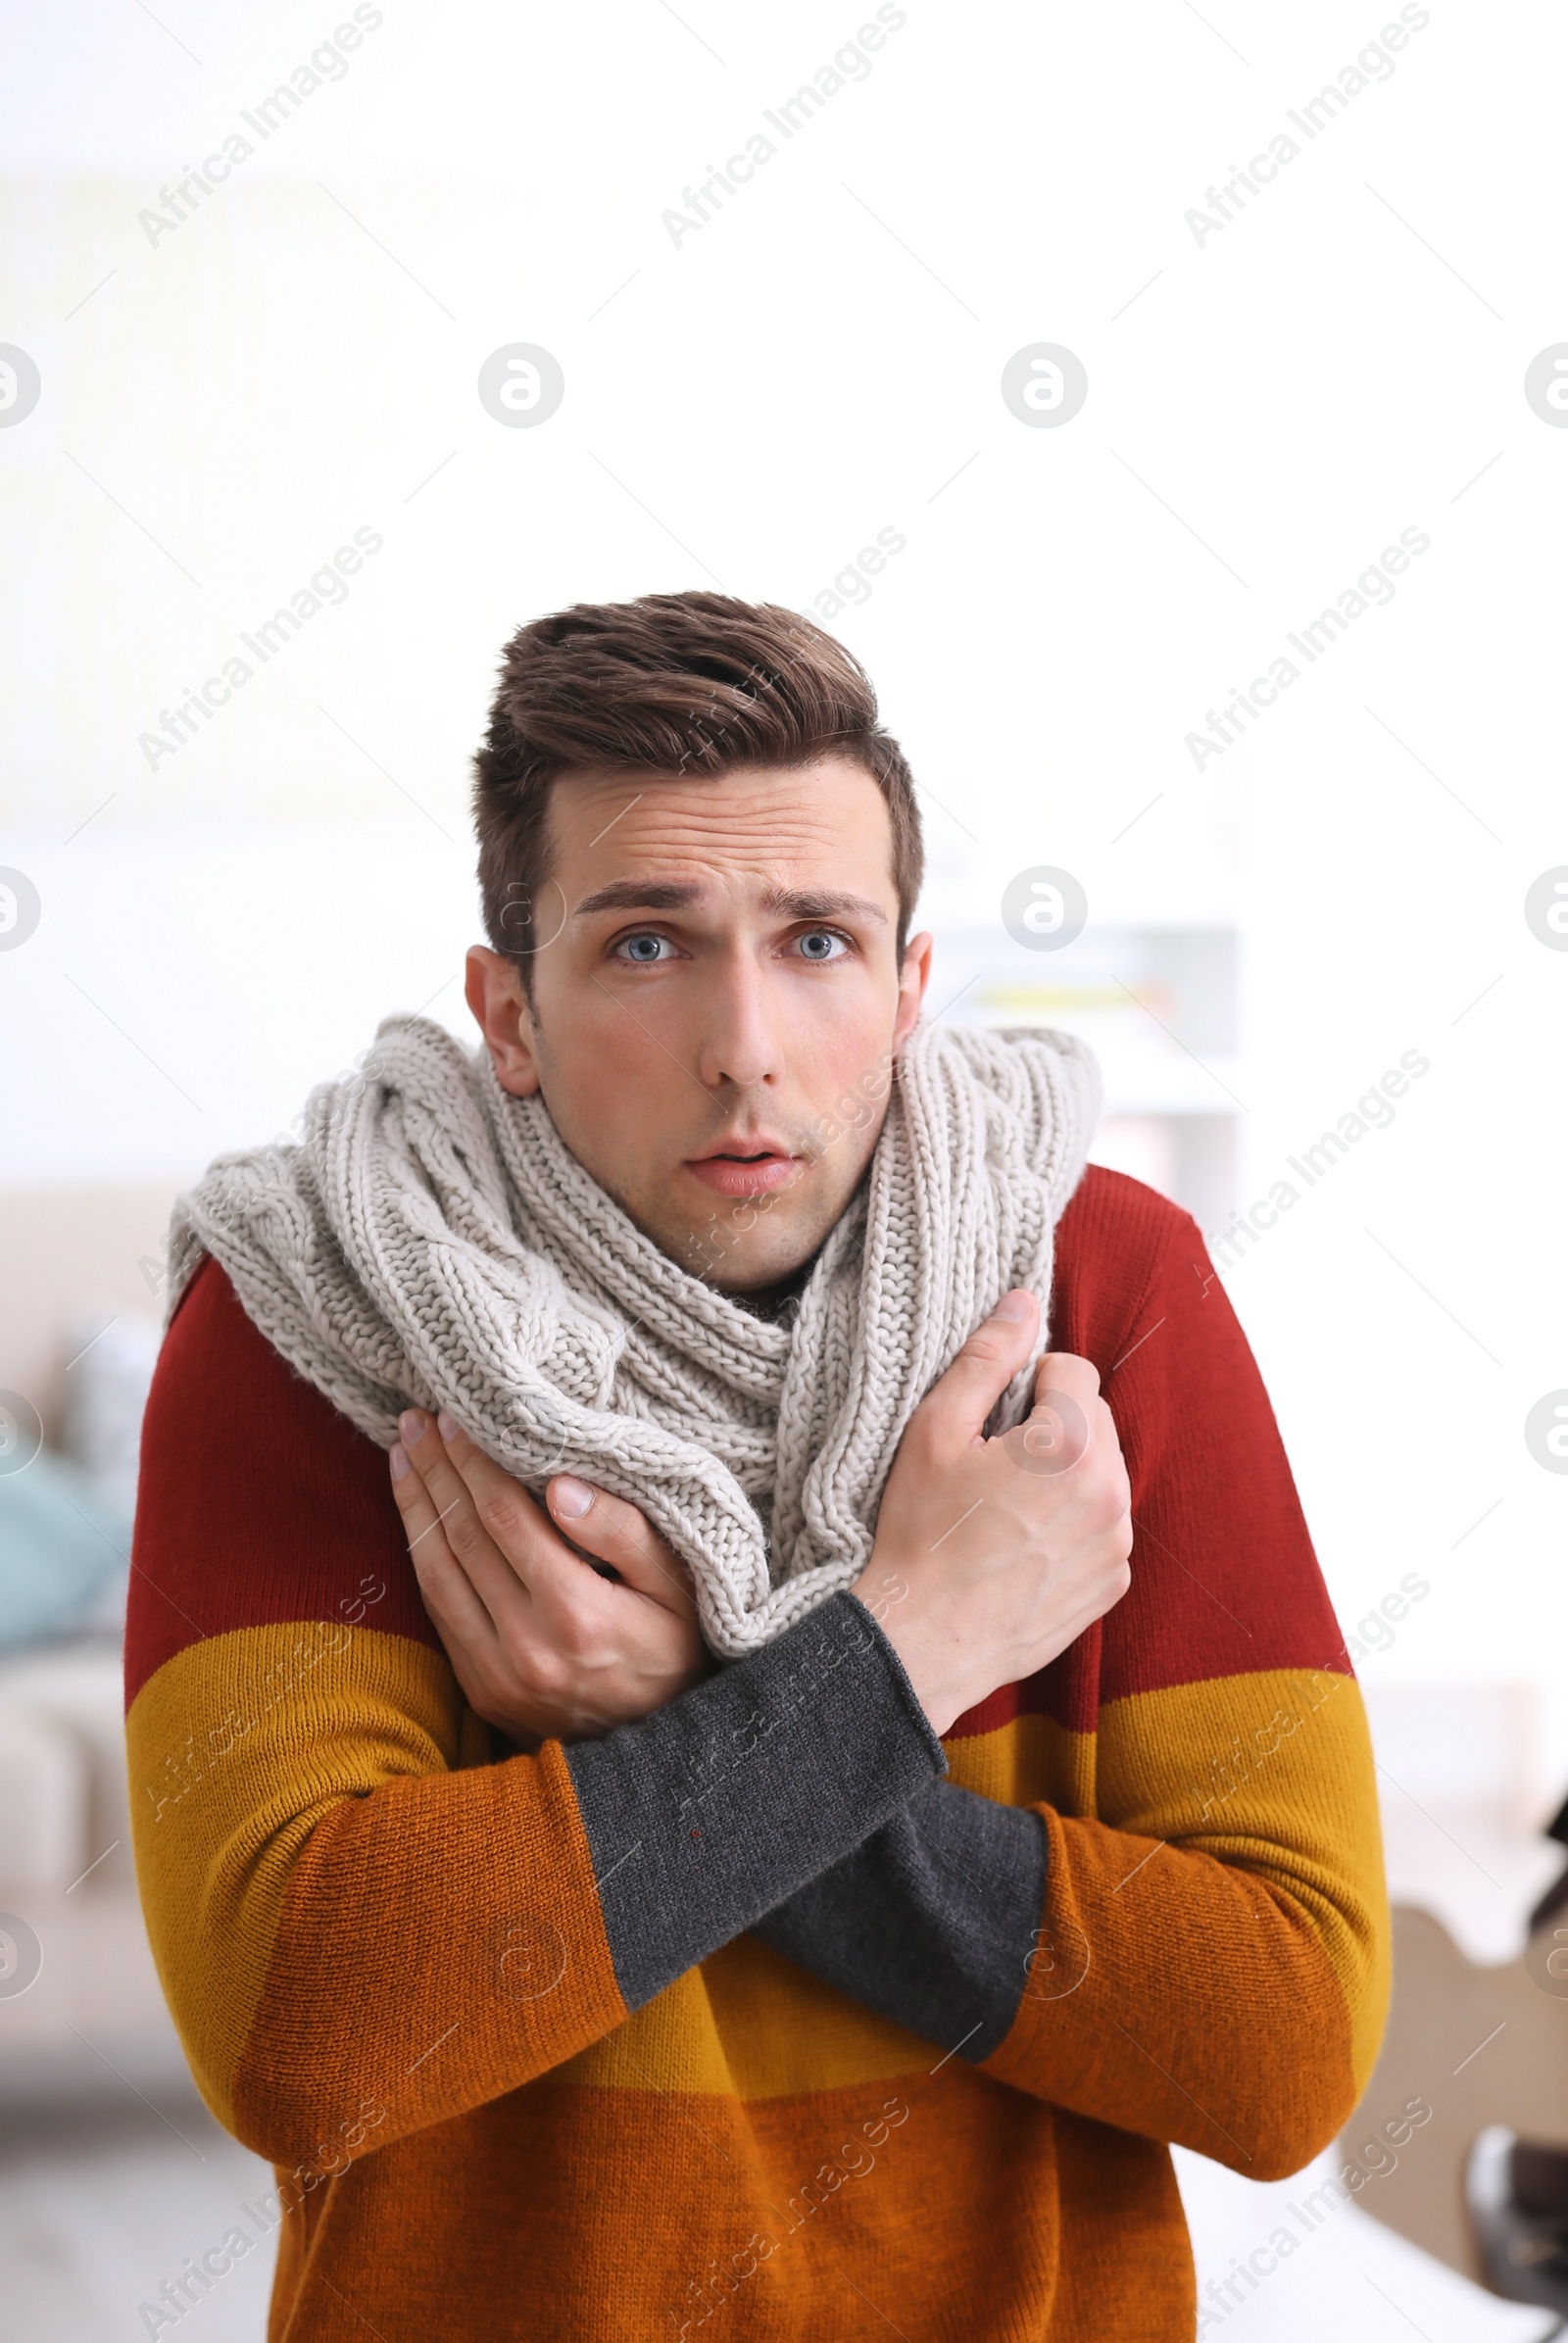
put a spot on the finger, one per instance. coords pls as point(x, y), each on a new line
point(1065, 1371)
point(1067, 1418)
point(617, 1532)
point(500, 1533)
point(448, 1592)
point(493, 1529)
point(966, 1394)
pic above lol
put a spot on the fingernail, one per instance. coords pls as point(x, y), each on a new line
point(447, 1426)
point(571, 1496)
point(401, 1467)
point(410, 1423)
point(1013, 1307)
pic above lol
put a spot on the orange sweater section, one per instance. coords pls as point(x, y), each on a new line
point(392, 1969)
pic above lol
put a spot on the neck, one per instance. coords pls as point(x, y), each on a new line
point(770, 1301)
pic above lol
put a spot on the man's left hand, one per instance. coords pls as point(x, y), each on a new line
point(542, 1646)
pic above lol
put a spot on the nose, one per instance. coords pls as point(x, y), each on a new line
point(741, 1044)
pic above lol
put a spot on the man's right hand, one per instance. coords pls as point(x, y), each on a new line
point(993, 1555)
point(541, 1643)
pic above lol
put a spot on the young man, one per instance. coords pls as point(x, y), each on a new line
point(717, 1834)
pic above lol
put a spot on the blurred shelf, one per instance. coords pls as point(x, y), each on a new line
point(1158, 1002)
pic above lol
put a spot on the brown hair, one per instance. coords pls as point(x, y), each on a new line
point(672, 683)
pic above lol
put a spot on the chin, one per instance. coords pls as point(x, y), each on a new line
point(731, 1258)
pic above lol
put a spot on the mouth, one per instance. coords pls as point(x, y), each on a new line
point(745, 1167)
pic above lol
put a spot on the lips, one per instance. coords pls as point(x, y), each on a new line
point(745, 1169)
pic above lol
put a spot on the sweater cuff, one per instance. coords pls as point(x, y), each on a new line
point(932, 1923)
point(715, 1809)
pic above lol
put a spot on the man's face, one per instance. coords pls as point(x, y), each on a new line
point(717, 971)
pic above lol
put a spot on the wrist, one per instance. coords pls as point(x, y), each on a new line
point(931, 1662)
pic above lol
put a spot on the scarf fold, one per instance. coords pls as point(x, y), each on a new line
point(432, 1241)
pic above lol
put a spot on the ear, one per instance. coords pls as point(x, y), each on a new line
point(499, 1006)
point(913, 977)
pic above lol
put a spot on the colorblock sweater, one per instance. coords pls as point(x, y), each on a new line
point(771, 2017)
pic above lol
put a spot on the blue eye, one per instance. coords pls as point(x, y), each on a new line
point(642, 950)
point(822, 943)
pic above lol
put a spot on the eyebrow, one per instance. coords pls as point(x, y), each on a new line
point(678, 895)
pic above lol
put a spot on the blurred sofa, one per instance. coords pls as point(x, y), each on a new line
point(81, 2013)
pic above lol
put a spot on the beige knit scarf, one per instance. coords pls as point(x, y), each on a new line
point(432, 1241)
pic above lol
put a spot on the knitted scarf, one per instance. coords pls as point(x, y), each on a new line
point(433, 1242)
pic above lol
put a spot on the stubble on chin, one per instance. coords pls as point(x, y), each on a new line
point(742, 1243)
point(737, 1243)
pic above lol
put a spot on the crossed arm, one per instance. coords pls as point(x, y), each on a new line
point(572, 1617)
point(323, 1833)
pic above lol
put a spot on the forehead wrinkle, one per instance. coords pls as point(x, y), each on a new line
point(734, 803)
point(668, 833)
point(800, 862)
point(792, 829)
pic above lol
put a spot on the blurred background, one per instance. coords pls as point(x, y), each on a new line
point(1029, 362)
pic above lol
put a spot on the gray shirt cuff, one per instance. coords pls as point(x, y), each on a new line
point(931, 1922)
point(715, 1810)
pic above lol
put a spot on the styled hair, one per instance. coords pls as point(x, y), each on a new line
point(668, 684)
